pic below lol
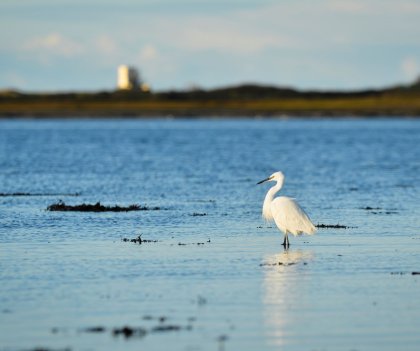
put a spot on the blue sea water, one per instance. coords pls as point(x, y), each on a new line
point(342, 289)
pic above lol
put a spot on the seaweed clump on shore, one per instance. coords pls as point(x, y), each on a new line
point(61, 206)
point(335, 226)
point(378, 210)
point(36, 194)
point(139, 240)
point(129, 332)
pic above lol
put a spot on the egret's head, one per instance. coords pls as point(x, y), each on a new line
point(276, 177)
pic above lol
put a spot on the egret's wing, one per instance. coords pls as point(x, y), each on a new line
point(289, 216)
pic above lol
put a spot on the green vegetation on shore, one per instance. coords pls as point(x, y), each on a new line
point(245, 100)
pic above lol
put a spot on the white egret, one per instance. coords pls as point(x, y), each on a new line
point(288, 215)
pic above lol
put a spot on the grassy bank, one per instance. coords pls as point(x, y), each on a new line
point(391, 105)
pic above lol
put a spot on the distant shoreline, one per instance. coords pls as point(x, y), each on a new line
point(314, 115)
point(240, 101)
point(293, 108)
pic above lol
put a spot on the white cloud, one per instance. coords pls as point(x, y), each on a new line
point(55, 44)
point(46, 48)
point(372, 7)
point(289, 42)
point(409, 6)
point(317, 25)
point(411, 67)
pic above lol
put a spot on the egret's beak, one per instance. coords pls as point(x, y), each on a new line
point(265, 180)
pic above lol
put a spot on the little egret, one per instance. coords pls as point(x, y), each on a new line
point(288, 215)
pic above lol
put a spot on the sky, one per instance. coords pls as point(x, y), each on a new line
point(66, 45)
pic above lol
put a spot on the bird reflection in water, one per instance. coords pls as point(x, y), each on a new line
point(285, 285)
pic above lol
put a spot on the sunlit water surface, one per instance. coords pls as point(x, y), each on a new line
point(62, 272)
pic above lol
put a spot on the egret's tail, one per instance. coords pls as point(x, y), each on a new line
point(307, 228)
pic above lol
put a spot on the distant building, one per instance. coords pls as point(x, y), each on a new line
point(128, 78)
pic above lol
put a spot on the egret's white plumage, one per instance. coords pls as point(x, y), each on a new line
point(288, 215)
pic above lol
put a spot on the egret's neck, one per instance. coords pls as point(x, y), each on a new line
point(272, 192)
point(269, 198)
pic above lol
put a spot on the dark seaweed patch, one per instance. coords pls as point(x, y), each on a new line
point(129, 332)
point(201, 300)
point(277, 263)
point(61, 206)
point(378, 210)
point(401, 273)
point(198, 214)
point(222, 338)
point(133, 332)
point(139, 240)
point(335, 226)
point(166, 328)
point(183, 244)
point(28, 194)
point(95, 330)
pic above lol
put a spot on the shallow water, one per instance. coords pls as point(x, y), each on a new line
point(62, 272)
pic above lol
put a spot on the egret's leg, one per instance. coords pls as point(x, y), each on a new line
point(287, 237)
point(284, 242)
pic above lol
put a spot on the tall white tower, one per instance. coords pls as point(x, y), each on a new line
point(128, 78)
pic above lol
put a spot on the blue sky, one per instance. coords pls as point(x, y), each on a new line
point(49, 45)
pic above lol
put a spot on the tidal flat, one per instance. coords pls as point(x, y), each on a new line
point(209, 273)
